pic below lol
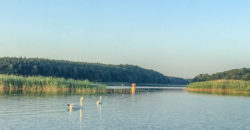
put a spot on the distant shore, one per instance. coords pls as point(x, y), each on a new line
point(142, 84)
point(221, 87)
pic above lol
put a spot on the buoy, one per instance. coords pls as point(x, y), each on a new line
point(133, 88)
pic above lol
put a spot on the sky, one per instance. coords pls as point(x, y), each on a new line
point(180, 38)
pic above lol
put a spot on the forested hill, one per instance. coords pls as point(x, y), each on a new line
point(236, 74)
point(81, 70)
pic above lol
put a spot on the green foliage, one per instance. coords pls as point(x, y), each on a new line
point(80, 70)
point(238, 85)
point(20, 82)
point(175, 80)
point(236, 74)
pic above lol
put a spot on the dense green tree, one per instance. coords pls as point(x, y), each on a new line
point(82, 70)
point(235, 74)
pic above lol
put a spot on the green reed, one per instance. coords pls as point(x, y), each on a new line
point(48, 84)
point(236, 85)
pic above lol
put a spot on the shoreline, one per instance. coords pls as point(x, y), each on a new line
point(9, 90)
point(217, 91)
point(223, 86)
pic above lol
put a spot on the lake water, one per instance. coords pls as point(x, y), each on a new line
point(148, 109)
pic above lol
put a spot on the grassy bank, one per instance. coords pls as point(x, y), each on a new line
point(11, 83)
point(221, 87)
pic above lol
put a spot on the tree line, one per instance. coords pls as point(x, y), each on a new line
point(81, 70)
point(235, 74)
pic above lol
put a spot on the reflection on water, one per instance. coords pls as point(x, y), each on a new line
point(148, 109)
point(132, 90)
point(221, 93)
point(99, 109)
point(81, 111)
point(110, 90)
point(80, 114)
point(133, 94)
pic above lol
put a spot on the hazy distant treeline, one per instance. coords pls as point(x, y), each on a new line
point(235, 74)
point(81, 70)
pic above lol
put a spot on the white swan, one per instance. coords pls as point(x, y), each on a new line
point(76, 107)
point(99, 102)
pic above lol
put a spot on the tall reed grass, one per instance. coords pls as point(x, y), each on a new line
point(221, 86)
point(10, 83)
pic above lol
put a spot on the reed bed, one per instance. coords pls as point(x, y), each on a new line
point(221, 86)
point(11, 83)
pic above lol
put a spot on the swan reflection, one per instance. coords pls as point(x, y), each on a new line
point(80, 114)
point(81, 117)
point(99, 109)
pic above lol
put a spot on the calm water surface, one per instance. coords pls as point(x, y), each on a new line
point(151, 109)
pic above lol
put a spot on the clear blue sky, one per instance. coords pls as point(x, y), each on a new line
point(178, 38)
